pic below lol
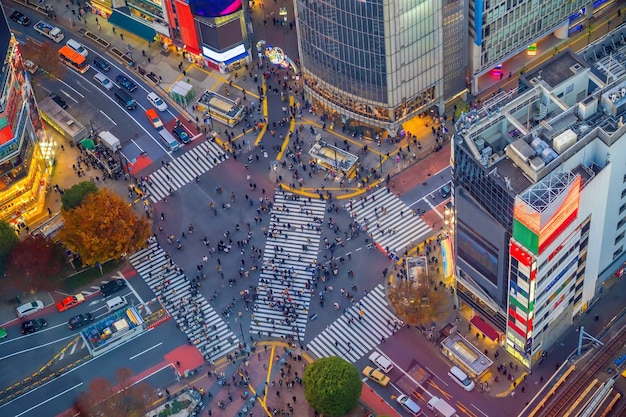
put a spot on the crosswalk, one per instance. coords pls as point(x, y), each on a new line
point(184, 169)
point(388, 220)
point(201, 323)
point(289, 260)
point(357, 331)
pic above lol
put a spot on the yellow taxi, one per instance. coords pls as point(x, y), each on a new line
point(376, 375)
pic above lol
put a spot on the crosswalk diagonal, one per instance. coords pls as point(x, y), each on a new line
point(388, 220)
point(357, 331)
point(184, 169)
point(289, 260)
point(202, 325)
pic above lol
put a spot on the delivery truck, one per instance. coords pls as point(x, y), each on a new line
point(109, 141)
point(441, 408)
point(49, 31)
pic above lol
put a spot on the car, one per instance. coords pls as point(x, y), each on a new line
point(58, 100)
point(157, 101)
point(79, 321)
point(70, 301)
point(126, 83)
point(381, 362)
point(376, 376)
point(101, 64)
point(445, 191)
point(20, 18)
point(180, 132)
point(111, 287)
point(34, 325)
point(3, 333)
point(152, 115)
point(29, 308)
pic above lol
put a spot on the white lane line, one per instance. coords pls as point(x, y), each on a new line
point(107, 116)
point(50, 399)
point(147, 350)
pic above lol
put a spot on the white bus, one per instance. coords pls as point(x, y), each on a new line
point(221, 109)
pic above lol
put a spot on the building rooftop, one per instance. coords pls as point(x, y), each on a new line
point(556, 70)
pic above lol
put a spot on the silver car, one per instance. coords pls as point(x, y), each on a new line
point(29, 308)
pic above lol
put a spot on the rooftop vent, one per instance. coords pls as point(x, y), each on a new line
point(576, 67)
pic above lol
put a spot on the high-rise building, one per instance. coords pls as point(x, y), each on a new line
point(375, 62)
point(540, 200)
point(500, 29)
point(26, 153)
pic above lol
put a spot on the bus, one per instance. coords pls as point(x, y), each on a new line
point(73, 59)
point(221, 109)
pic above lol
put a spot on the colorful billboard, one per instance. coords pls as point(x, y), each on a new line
point(214, 8)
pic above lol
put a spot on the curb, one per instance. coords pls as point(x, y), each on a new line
point(159, 322)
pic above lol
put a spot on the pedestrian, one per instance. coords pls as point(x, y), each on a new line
point(277, 393)
point(294, 399)
point(121, 36)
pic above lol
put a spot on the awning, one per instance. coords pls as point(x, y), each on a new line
point(484, 327)
point(131, 24)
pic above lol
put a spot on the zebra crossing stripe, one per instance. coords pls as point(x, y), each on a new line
point(282, 295)
point(352, 338)
point(389, 221)
point(202, 325)
point(184, 168)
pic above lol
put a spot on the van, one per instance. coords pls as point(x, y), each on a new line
point(103, 80)
point(168, 139)
point(461, 378)
point(78, 47)
point(409, 405)
point(124, 99)
point(116, 303)
point(381, 361)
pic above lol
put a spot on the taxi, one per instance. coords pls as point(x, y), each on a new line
point(69, 302)
point(156, 122)
point(376, 376)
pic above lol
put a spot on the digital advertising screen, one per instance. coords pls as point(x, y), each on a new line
point(214, 8)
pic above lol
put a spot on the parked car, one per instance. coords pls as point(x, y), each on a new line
point(20, 18)
point(152, 115)
point(111, 287)
point(125, 82)
point(157, 101)
point(29, 308)
point(445, 191)
point(80, 320)
point(34, 325)
point(58, 100)
point(101, 64)
point(180, 132)
point(376, 376)
point(70, 301)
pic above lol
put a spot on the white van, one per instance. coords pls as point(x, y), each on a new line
point(169, 140)
point(461, 378)
point(116, 303)
point(381, 361)
point(409, 405)
point(103, 80)
point(78, 47)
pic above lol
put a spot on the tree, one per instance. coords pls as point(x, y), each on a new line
point(8, 238)
point(45, 56)
point(75, 195)
point(332, 386)
point(127, 398)
point(103, 227)
point(35, 263)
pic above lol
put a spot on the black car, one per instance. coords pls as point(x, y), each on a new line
point(181, 134)
point(80, 321)
point(126, 83)
point(101, 64)
point(20, 18)
point(34, 325)
point(58, 100)
point(112, 287)
point(445, 191)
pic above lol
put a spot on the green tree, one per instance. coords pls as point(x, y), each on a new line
point(8, 238)
point(103, 227)
point(75, 195)
point(35, 263)
point(332, 386)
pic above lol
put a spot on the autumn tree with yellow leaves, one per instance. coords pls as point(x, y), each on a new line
point(103, 227)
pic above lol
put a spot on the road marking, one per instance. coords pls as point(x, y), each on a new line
point(141, 301)
point(477, 409)
point(405, 373)
point(50, 399)
point(73, 348)
point(69, 96)
point(70, 87)
point(436, 376)
point(147, 350)
point(434, 208)
point(107, 116)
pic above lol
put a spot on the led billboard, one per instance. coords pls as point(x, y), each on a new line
point(214, 8)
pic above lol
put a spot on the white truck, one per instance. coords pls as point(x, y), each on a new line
point(441, 408)
point(109, 140)
point(49, 31)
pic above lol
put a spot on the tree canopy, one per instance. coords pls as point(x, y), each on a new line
point(75, 195)
point(332, 386)
point(103, 227)
point(8, 238)
point(35, 263)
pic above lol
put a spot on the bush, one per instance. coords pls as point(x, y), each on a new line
point(332, 386)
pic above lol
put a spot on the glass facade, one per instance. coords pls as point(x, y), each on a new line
point(376, 61)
